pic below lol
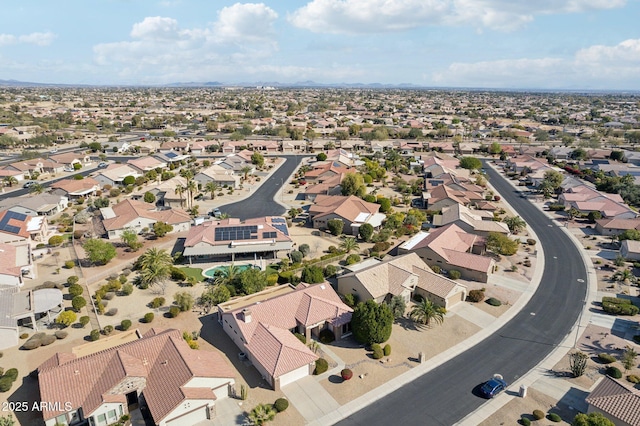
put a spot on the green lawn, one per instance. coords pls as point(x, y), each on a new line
point(194, 272)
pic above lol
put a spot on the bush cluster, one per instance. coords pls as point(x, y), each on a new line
point(157, 302)
point(125, 324)
point(614, 372)
point(618, 306)
point(454, 274)
point(174, 311)
point(475, 296)
point(525, 421)
point(538, 414)
point(346, 374)
point(606, 358)
point(327, 336)
point(281, 404)
point(493, 301)
point(6, 381)
point(386, 350)
point(94, 335)
point(633, 378)
point(377, 350)
point(148, 317)
point(321, 366)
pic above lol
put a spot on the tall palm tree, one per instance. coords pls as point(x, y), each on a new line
point(226, 275)
point(155, 266)
point(515, 223)
point(180, 189)
point(211, 187)
point(349, 244)
point(425, 312)
point(10, 180)
point(245, 170)
point(192, 188)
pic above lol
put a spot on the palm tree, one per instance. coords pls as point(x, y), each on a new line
point(155, 266)
point(192, 187)
point(245, 170)
point(211, 187)
point(515, 223)
point(349, 244)
point(180, 189)
point(36, 189)
point(425, 312)
point(10, 180)
point(625, 276)
point(262, 413)
point(226, 275)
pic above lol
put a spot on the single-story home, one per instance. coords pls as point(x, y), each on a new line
point(100, 382)
point(263, 324)
point(218, 174)
point(76, 188)
point(36, 204)
point(17, 227)
point(630, 250)
point(116, 173)
point(618, 401)
point(16, 264)
point(137, 215)
point(352, 210)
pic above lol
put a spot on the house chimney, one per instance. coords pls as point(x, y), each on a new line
point(246, 315)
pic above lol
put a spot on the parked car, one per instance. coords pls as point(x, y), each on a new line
point(493, 387)
point(29, 184)
point(103, 165)
point(69, 169)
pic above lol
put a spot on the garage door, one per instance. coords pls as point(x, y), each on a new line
point(190, 418)
point(294, 375)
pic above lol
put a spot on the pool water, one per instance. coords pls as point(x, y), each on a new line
point(211, 273)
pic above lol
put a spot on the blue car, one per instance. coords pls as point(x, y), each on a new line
point(493, 387)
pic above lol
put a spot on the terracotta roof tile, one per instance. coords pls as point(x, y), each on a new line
point(616, 399)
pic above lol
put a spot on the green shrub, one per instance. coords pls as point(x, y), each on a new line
point(436, 269)
point(301, 338)
point(61, 334)
point(178, 274)
point(321, 366)
point(24, 336)
point(94, 335)
point(350, 300)
point(554, 417)
point(378, 353)
point(525, 421)
point(148, 317)
point(11, 373)
point(75, 290)
point(78, 303)
point(330, 270)
point(157, 302)
point(174, 311)
point(5, 383)
point(127, 289)
point(346, 374)
point(620, 309)
point(84, 320)
point(387, 350)
point(327, 336)
point(614, 372)
point(108, 329)
point(538, 414)
point(352, 259)
point(475, 296)
point(633, 378)
point(69, 264)
point(616, 300)
point(125, 324)
point(606, 358)
point(454, 274)
point(281, 404)
point(56, 240)
point(73, 279)
point(493, 301)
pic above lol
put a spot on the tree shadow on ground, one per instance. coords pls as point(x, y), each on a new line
point(28, 392)
point(409, 324)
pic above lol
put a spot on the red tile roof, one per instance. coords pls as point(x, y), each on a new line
point(617, 400)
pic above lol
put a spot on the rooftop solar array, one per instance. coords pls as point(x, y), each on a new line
point(4, 223)
point(234, 233)
point(269, 235)
point(282, 227)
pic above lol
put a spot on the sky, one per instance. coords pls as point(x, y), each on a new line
point(502, 44)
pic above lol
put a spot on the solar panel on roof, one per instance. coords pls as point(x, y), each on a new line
point(12, 229)
point(232, 233)
point(282, 228)
point(171, 155)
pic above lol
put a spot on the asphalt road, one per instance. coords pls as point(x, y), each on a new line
point(46, 184)
point(445, 395)
point(261, 202)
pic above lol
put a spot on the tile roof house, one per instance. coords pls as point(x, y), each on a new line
point(148, 163)
point(137, 215)
point(630, 250)
point(165, 192)
point(328, 186)
point(17, 227)
point(116, 173)
point(476, 221)
point(450, 248)
point(75, 188)
point(613, 226)
point(455, 192)
point(353, 211)
point(322, 171)
point(262, 326)
point(16, 264)
point(220, 175)
point(36, 204)
point(36, 165)
point(70, 158)
point(260, 236)
point(586, 199)
point(405, 276)
point(158, 370)
point(617, 401)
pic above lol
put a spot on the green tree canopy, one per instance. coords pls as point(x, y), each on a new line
point(426, 312)
point(366, 231)
point(353, 184)
point(257, 159)
point(129, 180)
point(130, 237)
point(335, 226)
point(372, 323)
point(501, 244)
point(629, 234)
point(149, 197)
point(161, 229)
point(312, 274)
point(98, 251)
point(251, 281)
point(591, 419)
point(321, 156)
point(470, 163)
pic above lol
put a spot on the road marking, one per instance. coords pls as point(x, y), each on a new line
point(532, 313)
point(580, 280)
point(555, 257)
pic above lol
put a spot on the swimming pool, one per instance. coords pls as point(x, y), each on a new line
point(211, 273)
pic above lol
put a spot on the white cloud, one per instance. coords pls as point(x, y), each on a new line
point(370, 16)
point(245, 22)
point(596, 67)
point(160, 51)
point(6, 39)
point(39, 39)
point(155, 28)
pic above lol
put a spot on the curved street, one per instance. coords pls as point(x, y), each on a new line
point(444, 395)
point(262, 202)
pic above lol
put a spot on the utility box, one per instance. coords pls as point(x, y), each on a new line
point(422, 357)
point(523, 391)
